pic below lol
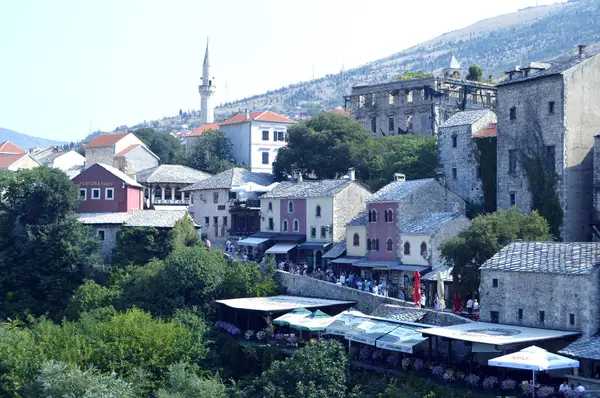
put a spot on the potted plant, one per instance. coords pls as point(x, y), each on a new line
point(249, 334)
point(418, 365)
point(392, 361)
point(472, 380)
point(438, 371)
point(507, 386)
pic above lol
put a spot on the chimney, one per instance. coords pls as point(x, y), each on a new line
point(581, 48)
point(247, 113)
point(352, 174)
point(399, 177)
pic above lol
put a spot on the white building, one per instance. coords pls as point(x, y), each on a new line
point(54, 157)
point(256, 138)
point(15, 158)
point(119, 150)
point(207, 90)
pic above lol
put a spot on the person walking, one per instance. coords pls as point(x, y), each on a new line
point(475, 306)
point(423, 300)
point(436, 303)
point(470, 305)
point(207, 244)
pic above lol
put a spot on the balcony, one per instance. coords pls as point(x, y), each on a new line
point(180, 202)
point(245, 204)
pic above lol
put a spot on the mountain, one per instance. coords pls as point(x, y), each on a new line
point(26, 141)
point(495, 44)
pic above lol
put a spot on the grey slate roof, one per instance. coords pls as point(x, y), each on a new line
point(155, 218)
point(232, 178)
point(103, 218)
point(547, 257)
point(307, 189)
point(358, 220)
point(585, 348)
point(337, 250)
point(397, 313)
point(558, 65)
point(47, 156)
point(465, 118)
point(120, 175)
point(171, 173)
point(398, 190)
point(428, 223)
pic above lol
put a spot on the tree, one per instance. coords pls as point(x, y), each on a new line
point(182, 382)
point(485, 237)
point(475, 73)
point(211, 152)
point(89, 296)
point(408, 75)
point(164, 145)
point(317, 371)
point(321, 145)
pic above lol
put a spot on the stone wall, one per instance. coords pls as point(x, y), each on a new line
point(596, 184)
point(102, 154)
point(347, 204)
point(448, 230)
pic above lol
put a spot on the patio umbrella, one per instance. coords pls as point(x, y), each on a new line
point(535, 359)
point(291, 316)
point(318, 321)
point(417, 289)
point(440, 289)
point(457, 303)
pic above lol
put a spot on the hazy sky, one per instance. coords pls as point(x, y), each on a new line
point(65, 64)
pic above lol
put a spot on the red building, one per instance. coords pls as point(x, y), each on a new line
point(105, 189)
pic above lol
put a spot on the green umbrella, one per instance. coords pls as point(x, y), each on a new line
point(291, 316)
point(315, 322)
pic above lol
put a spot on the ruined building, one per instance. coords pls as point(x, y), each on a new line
point(548, 116)
point(417, 106)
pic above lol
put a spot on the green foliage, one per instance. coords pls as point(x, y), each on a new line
point(163, 144)
point(408, 75)
point(317, 371)
point(487, 156)
point(183, 382)
point(58, 379)
point(475, 73)
point(89, 296)
point(140, 288)
point(19, 357)
point(484, 238)
point(211, 152)
point(244, 279)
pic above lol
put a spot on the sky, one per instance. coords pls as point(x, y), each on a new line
point(69, 67)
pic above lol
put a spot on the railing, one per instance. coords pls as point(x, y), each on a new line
point(245, 204)
point(243, 231)
point(170, 201)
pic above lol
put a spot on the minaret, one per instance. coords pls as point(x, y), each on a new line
point(207, 89)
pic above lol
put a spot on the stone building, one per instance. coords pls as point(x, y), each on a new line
point(121, 150)
point(458, 159)
point(543, 284)
point(595, 220)
point(417, 106)
point(546, 112)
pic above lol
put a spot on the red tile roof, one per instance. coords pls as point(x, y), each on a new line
point(490, 131)
point(9, 147)
point(266, 116)
point(205, 127)
point(127, 150)
point(340, 111)
point(6, 160)
point(106, 140)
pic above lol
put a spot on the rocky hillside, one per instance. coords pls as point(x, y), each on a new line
point(495, 44)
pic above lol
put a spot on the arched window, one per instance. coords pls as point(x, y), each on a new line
point(423, 248)
point(318, 211)
point(270, 206)
point(290, 207)
point(177, 193)
point(376, 244)
point(296, 226)
point(369, 248)
point(389, 245)
point(285, 226)
point(356, 240)
point(168, 193)
point(157, 193)
point(389, 215)
point(407, 249)
point(373, 215)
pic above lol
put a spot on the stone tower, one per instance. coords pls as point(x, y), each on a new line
point(207, 90)
point(453, 70)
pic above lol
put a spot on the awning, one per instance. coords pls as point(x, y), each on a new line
point(408, 268)
point(314, 245)
point(479, 347)
point(401, 339)
point(344, 322)
point(375, 264)
point(346, 260)
point(289, 238)
point(252, 241)
point(281, 303)
point(337, 250)
point(291, 317)
point(281, 248)
point(369, 331)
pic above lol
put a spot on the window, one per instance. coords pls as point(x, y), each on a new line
point(550, 158)
point(356, 240)
point(513, 113)
point(361, 101)
point(542, 316)
point(296, 226)
point(407, 249)
point(109, 193)
point(389, 215)
point(373, 99)
point(285, 226)
point(374, 124)
point(369, 248)
point(513, 199)
point(206, 221)
point(215, 221)
point(512, 161)
point(215, 197)
point(572, 319)
point(290, 207)
point(454, 173)
point(423, 248)
point(494, 282)
point(373, 215)
point(101, 234)
point(265, 135)
point(265, 158)
point(270, 206)
point(274, 135)
point(313, 232)
point(389, 245)
point(83, 194)
point(318, 211)
point(280, 136)
point(232, 195)
point(520, 314)
point(323, 232)
point(221, 207)
point(391, 99)
point(551, 107)
point(454, 141)
point(225, 221)
point(375, 244)
point(479, 173)
point(96, 193)
point(495, 316)
point(390, 124)
point(271, 224)
point(409, 96)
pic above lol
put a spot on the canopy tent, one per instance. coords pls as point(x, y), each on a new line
point(401, 339)
point(344, 321)
point(315, 322)
point(281, 248)
point(292, 317)
point(252, 241)
point(535, 359)
point(369, 331)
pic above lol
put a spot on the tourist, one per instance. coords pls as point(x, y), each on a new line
point(476, 306)
point(342, 279)
point(245, 257)
point(564, 387)
point(351, 279)
point(470, 305)
point(359, 284)
point(580, 390)
point(227, 245)
point(436, 303)
point(207, 244)
point(423, 300)
point(339, 282)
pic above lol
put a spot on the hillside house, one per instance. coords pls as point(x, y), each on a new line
point(121, 150)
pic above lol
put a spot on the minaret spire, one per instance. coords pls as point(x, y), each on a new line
point(206, 89)
point(206, 62)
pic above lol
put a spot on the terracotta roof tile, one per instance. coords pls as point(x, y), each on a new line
point(106, 140)
point(127, 150)
point(490, 131)
point(9, 147)
point(6, 160)
point(340, 111)
point(205, 127)
point(266, 116)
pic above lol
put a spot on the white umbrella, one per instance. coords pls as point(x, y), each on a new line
point(535, 359)
point(440, 288)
